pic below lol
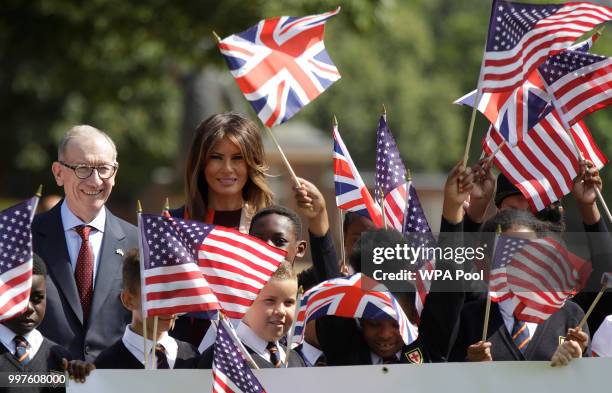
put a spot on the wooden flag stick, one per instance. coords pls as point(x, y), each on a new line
point(298, 299)
point(284, 158)
point(154, 360)
point(485, 327)
point(217, 38)
point(142, 300)
point(490, 158)
point(39, 191)
point(382, 206)
point(237, 341)
point(468, 143)
point(341, 233)
point(599, 196)
point(590, 310)
point(384, 112)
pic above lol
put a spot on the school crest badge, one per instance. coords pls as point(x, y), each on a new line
point(414, 356)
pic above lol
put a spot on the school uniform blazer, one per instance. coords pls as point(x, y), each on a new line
point(117, 356)
point(542, 346)
point(63, 322)
point(206, 360)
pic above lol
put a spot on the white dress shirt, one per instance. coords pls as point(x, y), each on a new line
point(602, 340)
point(134, 343)
point(310, 353)
point(34, 339)
point(256, 343)
point(505, 308)
point(73, 240)
point(378, 360)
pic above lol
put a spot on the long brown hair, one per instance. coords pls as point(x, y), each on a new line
point(245, 134)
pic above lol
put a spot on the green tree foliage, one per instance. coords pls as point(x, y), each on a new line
point(117, 64)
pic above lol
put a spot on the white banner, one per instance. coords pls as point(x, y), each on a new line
point(582, 375)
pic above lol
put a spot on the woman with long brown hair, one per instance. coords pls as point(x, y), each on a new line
point(225, 173)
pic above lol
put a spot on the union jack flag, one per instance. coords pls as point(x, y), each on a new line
point(230, 371)
point(281, 64)
point(513, 113)
point(356, 296)
point(351, 193)
point(521, 36)
point(581, 83)
point(16, 258)
point(189, 266)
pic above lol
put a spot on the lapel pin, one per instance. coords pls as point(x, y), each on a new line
point(119, 251)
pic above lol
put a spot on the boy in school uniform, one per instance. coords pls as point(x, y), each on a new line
point(266, 322)
point(128, 352)
point(25, 349)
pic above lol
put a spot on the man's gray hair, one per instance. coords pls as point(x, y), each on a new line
point(83, 130)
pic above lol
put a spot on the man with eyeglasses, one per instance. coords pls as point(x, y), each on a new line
point(83, 244)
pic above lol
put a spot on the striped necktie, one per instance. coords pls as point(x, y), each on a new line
point(21, 350)
point(162, 359)
point(520, 335)
point(274, 355)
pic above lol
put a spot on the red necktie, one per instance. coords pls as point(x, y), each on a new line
point(83, 272)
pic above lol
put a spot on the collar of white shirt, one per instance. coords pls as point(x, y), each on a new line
point(311, 354)
point(505, 308)
point(134, 343)
point(34, 339)
point(70, 220)
point(256, 343)
point(378, 360)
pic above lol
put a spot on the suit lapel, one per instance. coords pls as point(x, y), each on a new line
point(54, 240)
point(109, 262)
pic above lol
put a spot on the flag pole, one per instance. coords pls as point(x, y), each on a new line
point(142, 300)
point(381, 200)
point(499, 147)
point(590, 310)
point(271, 134)
point(298, 299)
point(232, 333)
point(599, 196)
point(485, 326)
point(284, 158)
point(340, 218)
point(154, 352)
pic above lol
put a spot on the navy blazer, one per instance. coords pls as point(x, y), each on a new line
point(63, 322)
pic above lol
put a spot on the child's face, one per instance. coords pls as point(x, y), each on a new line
point(34, 314)
point(279, 231)
point(271, 314)
point(382, 336)
point(132, 302)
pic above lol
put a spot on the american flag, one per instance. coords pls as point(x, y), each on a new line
point(418, 234)
point(16, 258)
point(231, 373)
point(390, 177)
point(402, 208)
point(542, 276)
point(189, 266)
point(545, 163)
point(356, 296)
point(351, 192)
point(505, 248)
point(580, 82)
point(281, 64)
point(521, 36)
point(513, 113)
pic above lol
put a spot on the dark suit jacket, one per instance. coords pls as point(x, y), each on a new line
point(63, 322)
point(541, 347)
point(206, 360)
point(117, 356)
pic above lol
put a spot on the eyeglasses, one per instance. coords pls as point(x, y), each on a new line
point(83, 171)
